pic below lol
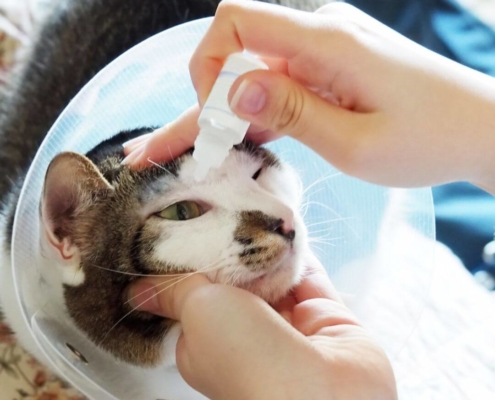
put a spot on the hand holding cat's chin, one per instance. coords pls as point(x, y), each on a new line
point(235, 345)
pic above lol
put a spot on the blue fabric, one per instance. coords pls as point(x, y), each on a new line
point(465, 215)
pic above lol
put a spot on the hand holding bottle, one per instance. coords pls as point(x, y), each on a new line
point(373, 103)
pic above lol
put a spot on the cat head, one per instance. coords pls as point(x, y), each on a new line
point(107, 225)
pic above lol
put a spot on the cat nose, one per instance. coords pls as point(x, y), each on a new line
point(283, 227)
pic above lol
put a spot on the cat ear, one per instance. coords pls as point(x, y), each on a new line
point(72, 183)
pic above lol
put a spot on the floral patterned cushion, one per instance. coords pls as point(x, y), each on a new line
point(22, 377)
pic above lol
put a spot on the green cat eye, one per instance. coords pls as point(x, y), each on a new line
point(181, 211)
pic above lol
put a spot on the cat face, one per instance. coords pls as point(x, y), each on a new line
point(107, 225)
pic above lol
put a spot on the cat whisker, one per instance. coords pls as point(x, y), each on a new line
point(324, 243)
point(321, 240)
point(137, 274)
point(329, 242)
point(341, 218)
point(159, 166)
point(236, 278)
point(312, 194)
point(177, 277)
point(173, 159)
point(327, 221)
point(177, 280)
point(327, 236)
point(231, 278)
point(227, 282)
point(329, 229)
point(320, 180)
point(313, 246)
point(305, 208)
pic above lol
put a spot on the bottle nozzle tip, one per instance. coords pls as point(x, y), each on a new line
point(200, 172)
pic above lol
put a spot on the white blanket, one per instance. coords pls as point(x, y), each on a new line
point(451, 353)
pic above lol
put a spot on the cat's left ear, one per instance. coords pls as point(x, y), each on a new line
point(72, 184)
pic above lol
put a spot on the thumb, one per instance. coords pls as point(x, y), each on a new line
point(278, 103)
point(165, 296)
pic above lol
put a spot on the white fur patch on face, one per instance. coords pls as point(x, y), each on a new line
point(207, 244)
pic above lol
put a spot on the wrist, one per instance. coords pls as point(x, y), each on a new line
point(469, 127)
point(484, 143)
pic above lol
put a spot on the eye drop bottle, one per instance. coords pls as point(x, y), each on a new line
point(220, 129)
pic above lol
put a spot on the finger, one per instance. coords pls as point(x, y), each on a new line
point(183, 361)
point(229, 329)
point(232, 31)
point(319, 305)
point(285, 306)
point(133, 144)
point(314, 316)
point(279, 104)
point(277, 64)
point(165, 296)
point(315, 284)
point(260, 135)
point(168, 142)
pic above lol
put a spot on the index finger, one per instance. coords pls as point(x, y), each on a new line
point(232, 31)
point(170, 141)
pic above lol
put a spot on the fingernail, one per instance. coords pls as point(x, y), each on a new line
point(135, 154)
point(249, 98)
point(142, 296)
point(130, 145)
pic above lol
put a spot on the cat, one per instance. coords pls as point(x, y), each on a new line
point(241, 226)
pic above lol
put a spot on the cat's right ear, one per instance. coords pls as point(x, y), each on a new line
point(72, 184)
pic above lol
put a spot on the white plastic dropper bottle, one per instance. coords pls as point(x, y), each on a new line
point(219, 128)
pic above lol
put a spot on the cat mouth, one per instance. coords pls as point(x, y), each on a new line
point(284, 264)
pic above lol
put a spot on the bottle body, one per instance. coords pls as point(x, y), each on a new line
point(220, 128)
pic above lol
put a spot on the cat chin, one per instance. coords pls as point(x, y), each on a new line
point(273, 288)
point(281, 278)
point(277, 283)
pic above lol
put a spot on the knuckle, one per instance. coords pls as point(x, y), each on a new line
point(204, 295)
point(227, 7)
point(168, 303)
point(289, 114)
point(348, 36)
point(346, 26)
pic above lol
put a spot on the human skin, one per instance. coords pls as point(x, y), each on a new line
point(236, 346)
point(372, 103)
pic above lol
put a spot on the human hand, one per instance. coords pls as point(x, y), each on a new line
point(235, 346)
point(373, 103)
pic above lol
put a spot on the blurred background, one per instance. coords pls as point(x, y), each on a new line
point(462, 30)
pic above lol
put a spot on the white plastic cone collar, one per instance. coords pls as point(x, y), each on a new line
point(149, 86)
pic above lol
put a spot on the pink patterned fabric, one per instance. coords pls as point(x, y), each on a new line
point(22, 377)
